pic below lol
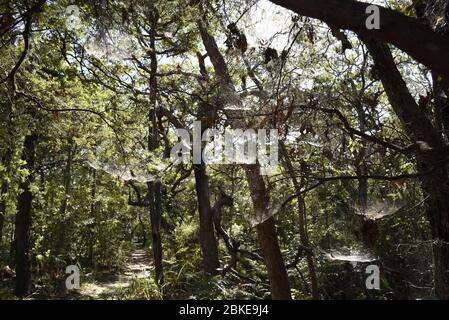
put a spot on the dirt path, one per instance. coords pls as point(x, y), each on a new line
point(138, 266)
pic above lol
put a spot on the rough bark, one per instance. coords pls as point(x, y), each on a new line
point(435, 186)
point(406, 33)
point(23, 222)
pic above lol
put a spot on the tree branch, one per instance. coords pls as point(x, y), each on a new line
point(406, 33)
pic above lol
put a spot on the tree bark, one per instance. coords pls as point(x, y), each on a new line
point(208, 241)
point(266, 231)
point(408, 34)
point(24, 220)
point(435, 190)
point(154, 195)
point(435, 186)
point(154, 187)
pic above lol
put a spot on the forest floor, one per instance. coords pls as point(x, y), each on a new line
point(138, 266)
point(107, 284)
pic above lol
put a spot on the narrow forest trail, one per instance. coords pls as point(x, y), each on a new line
point(138, 266)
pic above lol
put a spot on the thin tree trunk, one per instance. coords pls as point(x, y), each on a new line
point(301, 222)
point(93, 195)
point(208, 241)
point(154, 193)
point(62, 240)
point(369, 230)
point(267, 235)
point(24, 220)
point(154, 188)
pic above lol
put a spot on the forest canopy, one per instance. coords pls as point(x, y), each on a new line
point(224, 149)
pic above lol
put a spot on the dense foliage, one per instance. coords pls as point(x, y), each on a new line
point(90, 95)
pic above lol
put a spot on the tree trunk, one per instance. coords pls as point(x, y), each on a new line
point(154, 193)
point(436, 192)
point(301, 221)
point(435, 186)
point(154, 188)
point(93, 195)
point(23, 221)
point(266, 233)
point(62, 228)
point(208, 241)
point(369, 230)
